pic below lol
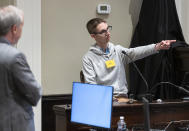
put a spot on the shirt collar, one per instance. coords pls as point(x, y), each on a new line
point(107, 51)
point(4, 40)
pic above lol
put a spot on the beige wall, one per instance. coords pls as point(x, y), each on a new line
point(7, 2)
point(65, 39)
point(182, 8)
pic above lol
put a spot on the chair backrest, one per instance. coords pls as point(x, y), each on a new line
point(82, 78)
point(185, 81)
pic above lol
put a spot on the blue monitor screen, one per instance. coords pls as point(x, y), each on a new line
point(92, 104)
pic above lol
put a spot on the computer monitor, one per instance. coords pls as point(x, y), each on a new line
point(92, 104)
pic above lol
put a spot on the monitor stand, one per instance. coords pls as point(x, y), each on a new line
point(99, 129)
point(92, 129)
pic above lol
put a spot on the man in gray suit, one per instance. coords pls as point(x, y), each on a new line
point(19, 90)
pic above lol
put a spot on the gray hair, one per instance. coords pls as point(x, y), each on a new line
point(9, 16)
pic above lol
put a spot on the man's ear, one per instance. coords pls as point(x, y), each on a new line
point(93, 35)
point(14, 29)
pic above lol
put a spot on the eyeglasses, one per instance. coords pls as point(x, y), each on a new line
point(109, 28)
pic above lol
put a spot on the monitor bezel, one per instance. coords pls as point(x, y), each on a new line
point(89, 125)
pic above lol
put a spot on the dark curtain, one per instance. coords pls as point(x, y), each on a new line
point(158, 21)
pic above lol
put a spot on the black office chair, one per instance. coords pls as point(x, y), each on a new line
point(82, 78)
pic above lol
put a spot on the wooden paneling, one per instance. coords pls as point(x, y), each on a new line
point(160, 114)
point(48, 115)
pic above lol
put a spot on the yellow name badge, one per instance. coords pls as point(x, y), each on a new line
point(110, 64)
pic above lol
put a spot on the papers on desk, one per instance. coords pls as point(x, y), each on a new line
point(124, 100)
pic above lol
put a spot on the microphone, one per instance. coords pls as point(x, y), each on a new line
point(169, 83)
point(147, 95)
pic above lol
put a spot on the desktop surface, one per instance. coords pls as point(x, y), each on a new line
point(161, 114)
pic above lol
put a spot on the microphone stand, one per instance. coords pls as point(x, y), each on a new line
point(146, 114)
point(146, 98)
point(147, 95)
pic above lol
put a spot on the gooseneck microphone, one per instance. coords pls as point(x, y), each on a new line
point(139, 72)
point(169, 83)
point(148, 92)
